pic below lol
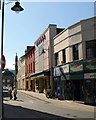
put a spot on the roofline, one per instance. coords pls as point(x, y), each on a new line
point(30, 50)
point(72, 26)
point(44, 31)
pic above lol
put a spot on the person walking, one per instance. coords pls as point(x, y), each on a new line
point(14, 92)
point(48, 92)
point(10, 91)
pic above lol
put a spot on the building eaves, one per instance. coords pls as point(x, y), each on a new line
point(22, 57)
point(27, 51)
point(72, 26)
point(59, 34)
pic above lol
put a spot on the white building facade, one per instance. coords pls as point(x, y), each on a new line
point(21, 73)
point(74, 52)
point(44, 59)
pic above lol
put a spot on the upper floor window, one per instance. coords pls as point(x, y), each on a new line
point(56, 58)
point(64, 56)
point(75, 52)
point(91, 49)
point(41, 49)
point(29, 68)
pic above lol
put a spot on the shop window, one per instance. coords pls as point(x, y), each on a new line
point(56, 58)
point(37, 84)
point(91, 49)
point(75, 52)
point(44, 84)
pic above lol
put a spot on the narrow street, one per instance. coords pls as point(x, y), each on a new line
point(28, 107)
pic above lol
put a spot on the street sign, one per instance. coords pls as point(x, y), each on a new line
point(3, 62)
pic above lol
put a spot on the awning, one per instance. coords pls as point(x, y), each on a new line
point(41, 74)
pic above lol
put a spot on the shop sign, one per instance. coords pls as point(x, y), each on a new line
point(89, 75)
point(41, 39)
point(65, 68)
point(56, 71)
point(75, 67)
point(90, 65)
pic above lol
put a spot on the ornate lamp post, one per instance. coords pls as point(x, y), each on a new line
point(16, 70)
point(50, 82)
point(44, 51)
point(16, 8)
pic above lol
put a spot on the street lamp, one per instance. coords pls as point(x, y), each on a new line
point(51, 82)
point(16, 70)
point(16, 8)
point(43, 52)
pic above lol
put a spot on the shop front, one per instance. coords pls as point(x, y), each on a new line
point(77, 80)
point(68, 81)
point(60, 75)
point(90, 81)
point(28, 84)
point(41, 81)
point(56, 76)
point(32, 85)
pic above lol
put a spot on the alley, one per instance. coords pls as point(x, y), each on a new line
point(28, 107)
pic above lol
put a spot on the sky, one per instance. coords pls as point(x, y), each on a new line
point(24, 28)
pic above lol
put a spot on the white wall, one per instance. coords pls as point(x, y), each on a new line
point(75, 34)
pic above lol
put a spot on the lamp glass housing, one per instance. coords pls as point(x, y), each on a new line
point(17, 7)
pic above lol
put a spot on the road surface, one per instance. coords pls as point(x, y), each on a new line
point(28, 107)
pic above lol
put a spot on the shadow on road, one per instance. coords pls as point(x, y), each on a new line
point(19, 113)
point(6, 96)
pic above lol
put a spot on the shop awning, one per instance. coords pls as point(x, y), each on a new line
point(41, 74)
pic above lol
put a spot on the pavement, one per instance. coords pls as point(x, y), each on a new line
point(74, 105)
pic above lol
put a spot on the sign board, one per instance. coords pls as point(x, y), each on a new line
point(90, 64)
point(65, 68)
point(56, 71)
point(89, 75)
point(75, 67)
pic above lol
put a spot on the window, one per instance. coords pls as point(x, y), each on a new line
point(75, 52)
point(56, 58)
point(91, 49)
point(64, 56)
point(29, 68)
point(41, 49)
point(33, 67)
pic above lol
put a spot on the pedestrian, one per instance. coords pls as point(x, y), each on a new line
point(10, 91)
point(14, 92)
point(48, 92)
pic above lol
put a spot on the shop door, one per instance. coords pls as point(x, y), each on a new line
point(31, 85)
point(44, 85)
point(76, 91)
point(26, 85)
point(68, 87)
